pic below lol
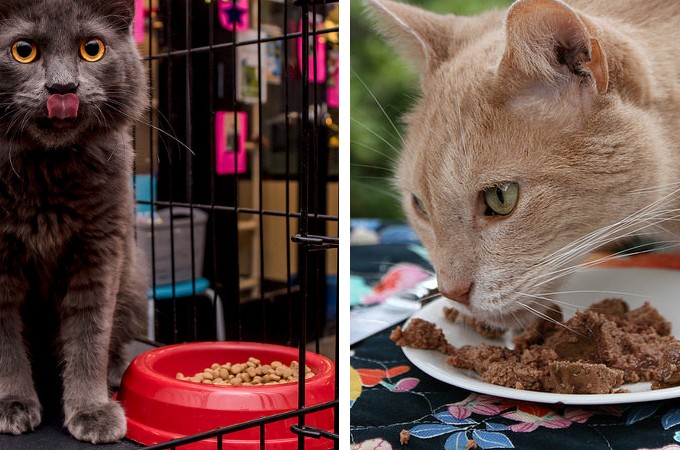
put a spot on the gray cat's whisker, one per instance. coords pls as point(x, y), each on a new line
point(160, 130)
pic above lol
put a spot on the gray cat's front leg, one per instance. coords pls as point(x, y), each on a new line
point(19, 405)
point(87, 316)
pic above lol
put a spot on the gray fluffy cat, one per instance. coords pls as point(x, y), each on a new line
point(71, 84)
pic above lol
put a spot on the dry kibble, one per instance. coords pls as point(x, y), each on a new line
point(249, 373)
point(245, 377)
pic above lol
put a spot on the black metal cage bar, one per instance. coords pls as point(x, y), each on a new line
point(258, 268)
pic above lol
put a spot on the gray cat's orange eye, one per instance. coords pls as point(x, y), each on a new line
point(24, 51)
point(92, 49)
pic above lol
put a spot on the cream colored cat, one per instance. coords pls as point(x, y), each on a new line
point(542, 133)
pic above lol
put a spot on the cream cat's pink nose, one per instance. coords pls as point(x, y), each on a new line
point(460, 294)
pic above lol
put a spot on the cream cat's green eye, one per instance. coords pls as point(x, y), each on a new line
point(24, 51)
point(501, 199)
point(418, 205)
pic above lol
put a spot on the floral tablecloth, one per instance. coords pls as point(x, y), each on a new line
point(389, 395)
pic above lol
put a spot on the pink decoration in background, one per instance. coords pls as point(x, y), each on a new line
point(138, 27)
point(233, 15)
point(227, 135)
point(333, 90)
point(397, 279)
point(318, 75)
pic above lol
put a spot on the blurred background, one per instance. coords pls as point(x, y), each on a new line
point(379, 78)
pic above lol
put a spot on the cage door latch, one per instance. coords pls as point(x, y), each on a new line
point(312, 432)
point(316, 242)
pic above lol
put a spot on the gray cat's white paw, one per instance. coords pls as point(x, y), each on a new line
point(98, 424)
point(18, 416)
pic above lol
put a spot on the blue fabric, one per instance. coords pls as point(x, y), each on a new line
point(182, 289)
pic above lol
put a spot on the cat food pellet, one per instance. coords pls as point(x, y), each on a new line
point(249, 373)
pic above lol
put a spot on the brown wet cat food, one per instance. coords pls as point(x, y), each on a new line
point(594, 352)
point(423, 335)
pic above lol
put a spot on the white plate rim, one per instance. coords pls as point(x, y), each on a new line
point(456, 377)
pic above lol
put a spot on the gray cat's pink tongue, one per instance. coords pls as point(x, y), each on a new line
point(62, 106)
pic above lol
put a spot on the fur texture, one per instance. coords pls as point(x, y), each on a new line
point(70, 281)
point(578, 104)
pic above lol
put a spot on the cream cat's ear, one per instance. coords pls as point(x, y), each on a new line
point(426, 39)
point(550, 43)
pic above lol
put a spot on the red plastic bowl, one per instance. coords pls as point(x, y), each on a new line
point(160, 408)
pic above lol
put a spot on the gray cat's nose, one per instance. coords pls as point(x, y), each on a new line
point(62, 88)
point(460, 294)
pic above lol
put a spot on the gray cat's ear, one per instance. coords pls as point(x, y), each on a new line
point(550, 43)
point(7, 6)
point(121, 12)
point(425, 39)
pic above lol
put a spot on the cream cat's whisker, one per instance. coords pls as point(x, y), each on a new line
point(370, 92)
point(606, 239)
point(621, 254)
point(586, 241)
point(370, 166)
point(538, 298)
point(393, 195)
point(548, 318)
point(390, 145)
point(595, 291)
point(390, 159)
point(657, 188)
point(522, 326)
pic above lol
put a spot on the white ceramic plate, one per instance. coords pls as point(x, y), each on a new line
point(660, 287)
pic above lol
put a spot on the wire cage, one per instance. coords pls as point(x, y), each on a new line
point(236, 180)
